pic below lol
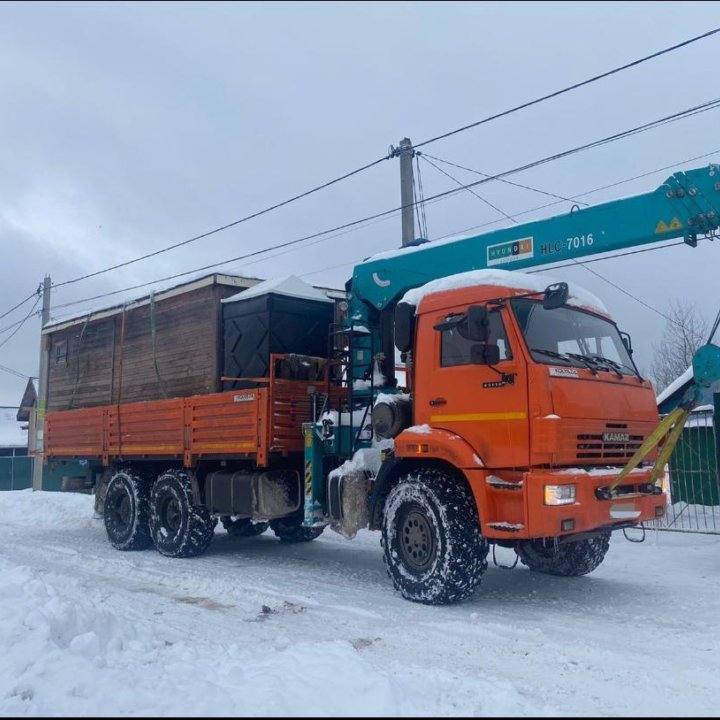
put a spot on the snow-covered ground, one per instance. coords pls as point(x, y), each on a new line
point(256, 627)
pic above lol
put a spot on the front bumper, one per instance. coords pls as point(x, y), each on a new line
point(521, 513)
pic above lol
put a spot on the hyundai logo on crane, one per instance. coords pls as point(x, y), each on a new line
point(510, 251)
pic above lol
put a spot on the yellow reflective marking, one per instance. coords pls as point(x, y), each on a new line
point(663, 227)
point(200, 446)
point(480, 417)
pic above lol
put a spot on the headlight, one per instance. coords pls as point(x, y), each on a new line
point(559, 494)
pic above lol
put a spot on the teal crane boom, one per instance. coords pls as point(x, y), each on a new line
point(685, 206)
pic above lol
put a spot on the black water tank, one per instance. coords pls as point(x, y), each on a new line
point(260, 325)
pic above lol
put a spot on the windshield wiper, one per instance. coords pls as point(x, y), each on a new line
point(615, 365)
point(551, 353)
point(587, 361)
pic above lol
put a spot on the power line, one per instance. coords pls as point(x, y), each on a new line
point(703, 107)
point(19, 324)
point(14, 372)
point(626, 292)
point(380, 160)
point(575, 198)
point(590, 270)
point(20, 304)
point(570, 87)
point(223, 227)
point(470, 190)
point(508, 182)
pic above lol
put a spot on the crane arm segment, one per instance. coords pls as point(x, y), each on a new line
point(686, 205)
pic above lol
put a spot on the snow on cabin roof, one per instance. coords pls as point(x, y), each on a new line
point(514, 279)
point(12, 434)
point(289, 285)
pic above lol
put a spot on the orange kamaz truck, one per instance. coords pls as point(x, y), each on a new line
point(519, 418)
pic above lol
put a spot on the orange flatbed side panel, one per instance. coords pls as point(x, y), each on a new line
point(74, 433)
point(244, 422)
point(225, 423)
point(146, 428)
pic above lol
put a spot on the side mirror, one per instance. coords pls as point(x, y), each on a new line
point(555, 295)
point(478, 323)
point(485, 354)
point(627, 342)
point(404, 326)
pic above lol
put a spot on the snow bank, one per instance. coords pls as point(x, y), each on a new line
point(514, 279)
point(107, 641)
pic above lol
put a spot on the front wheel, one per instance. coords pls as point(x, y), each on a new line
point(432, 544)
point(179, 528)
point(571, 559)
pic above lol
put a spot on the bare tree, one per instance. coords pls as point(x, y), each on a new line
point(685, 331)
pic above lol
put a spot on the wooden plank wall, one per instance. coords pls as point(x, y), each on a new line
point(188, 352)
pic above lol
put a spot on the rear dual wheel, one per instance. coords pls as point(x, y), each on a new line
point(179, 527)
point(126, 511)
point(137, 516)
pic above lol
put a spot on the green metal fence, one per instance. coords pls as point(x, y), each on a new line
point(16, 472)
point(692, 480)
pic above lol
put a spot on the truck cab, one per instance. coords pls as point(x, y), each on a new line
point(524, 397)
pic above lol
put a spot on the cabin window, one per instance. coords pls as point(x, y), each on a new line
point(455, 349)
point(60, 351)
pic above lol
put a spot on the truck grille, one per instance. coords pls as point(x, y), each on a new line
point(592, 446)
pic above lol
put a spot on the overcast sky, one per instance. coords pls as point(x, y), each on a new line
point(129, 127)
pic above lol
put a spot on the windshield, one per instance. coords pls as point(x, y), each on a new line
point(570, 336)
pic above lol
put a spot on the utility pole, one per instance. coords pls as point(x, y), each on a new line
point(42, 389)
point(406, 153)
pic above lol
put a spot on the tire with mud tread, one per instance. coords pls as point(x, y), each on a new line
point(432, 545)
point(126, 511)
point(291, 530)
point(243, 527)
point(179, 528)
point(568, 560)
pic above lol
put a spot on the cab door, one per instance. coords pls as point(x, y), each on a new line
point(485, 405)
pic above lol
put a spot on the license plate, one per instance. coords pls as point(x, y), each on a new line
point(624, 511)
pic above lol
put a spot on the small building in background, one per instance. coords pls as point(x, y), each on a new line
point(15, 464)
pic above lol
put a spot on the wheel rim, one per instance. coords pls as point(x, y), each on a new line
point(122, 511)
point(170, 515)
point(417, 540)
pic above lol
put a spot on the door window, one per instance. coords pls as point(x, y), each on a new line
point(456, 348)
